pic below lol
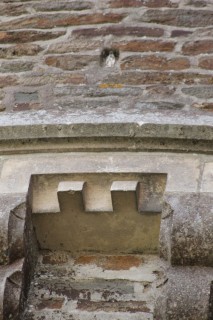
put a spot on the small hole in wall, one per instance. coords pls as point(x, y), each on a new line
point(108, 57)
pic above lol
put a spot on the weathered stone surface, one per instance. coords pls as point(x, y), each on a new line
point(139, 3)
point(71, 62)
point(179, 17)
point(145, 45)
point(11, 228)
point(207, 178)
point(203, 105)
point(180, 33)
point(185, 294)
point(198, 47)
point(175, 78)
point(190, 231)
point(16, 66)
point(154, 62)
point(75, 45)
point(199, 92)
point(206, 63)
point(62, 5)
point(119, 31)
point(28, 49)
point(125, 290)
point(45, 78)
point(10, 290)
point(49, 21)
point(8, 81)
point(21, 36)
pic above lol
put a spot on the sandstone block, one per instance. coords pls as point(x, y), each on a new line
point(198, 47)
point(154, 62)
point(179, 17)
point(119, 31)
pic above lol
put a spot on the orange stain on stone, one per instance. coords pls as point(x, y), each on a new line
point(111, 262)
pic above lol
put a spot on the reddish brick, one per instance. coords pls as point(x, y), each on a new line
point(141, 3)
point(139, 78)
point(48, 21)
point(154, 62)
point(145, 45)
point(197, 47)
point(179, 17)
point(6, 81)
point(70, 62)
point(28, 36)
point(28, 49)
point(180, 33)
point(119, 31)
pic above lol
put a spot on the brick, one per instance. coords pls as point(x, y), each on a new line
point(28, 36)
point(62, 5)
point(208, 106)
point(141, 3)
point(119, 31)
point(16, 66)
point(139, 78)
point(206, 63)
point(197, 3)
point(154, 62)
point(145, 45)
point(28, 49)
point(13, 9)
point(6, 81)
point(75, 45)
point(70, 62)
point(180, 33)
point(43, 78)
point(198, 47)
point(179, 17)
point(55, 258)
point(199, 92)
point(49, 21)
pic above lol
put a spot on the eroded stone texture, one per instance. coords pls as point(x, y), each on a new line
point(188, 239)
point(12, 215)
point(185, 294)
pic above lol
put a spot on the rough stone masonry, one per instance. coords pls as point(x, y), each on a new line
point(106, 160)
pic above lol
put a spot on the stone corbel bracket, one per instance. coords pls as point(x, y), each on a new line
point(132, 193)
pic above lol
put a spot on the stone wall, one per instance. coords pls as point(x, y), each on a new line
point(51, 54)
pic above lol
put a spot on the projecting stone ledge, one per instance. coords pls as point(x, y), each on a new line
point(138, 129)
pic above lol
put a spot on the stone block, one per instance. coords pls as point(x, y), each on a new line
point(186, 234)
point(12, 216)
point(185, 294)
point(207, 178)
point(10, 290)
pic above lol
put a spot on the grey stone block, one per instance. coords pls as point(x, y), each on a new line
point(186, 234)
point(185, 295)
